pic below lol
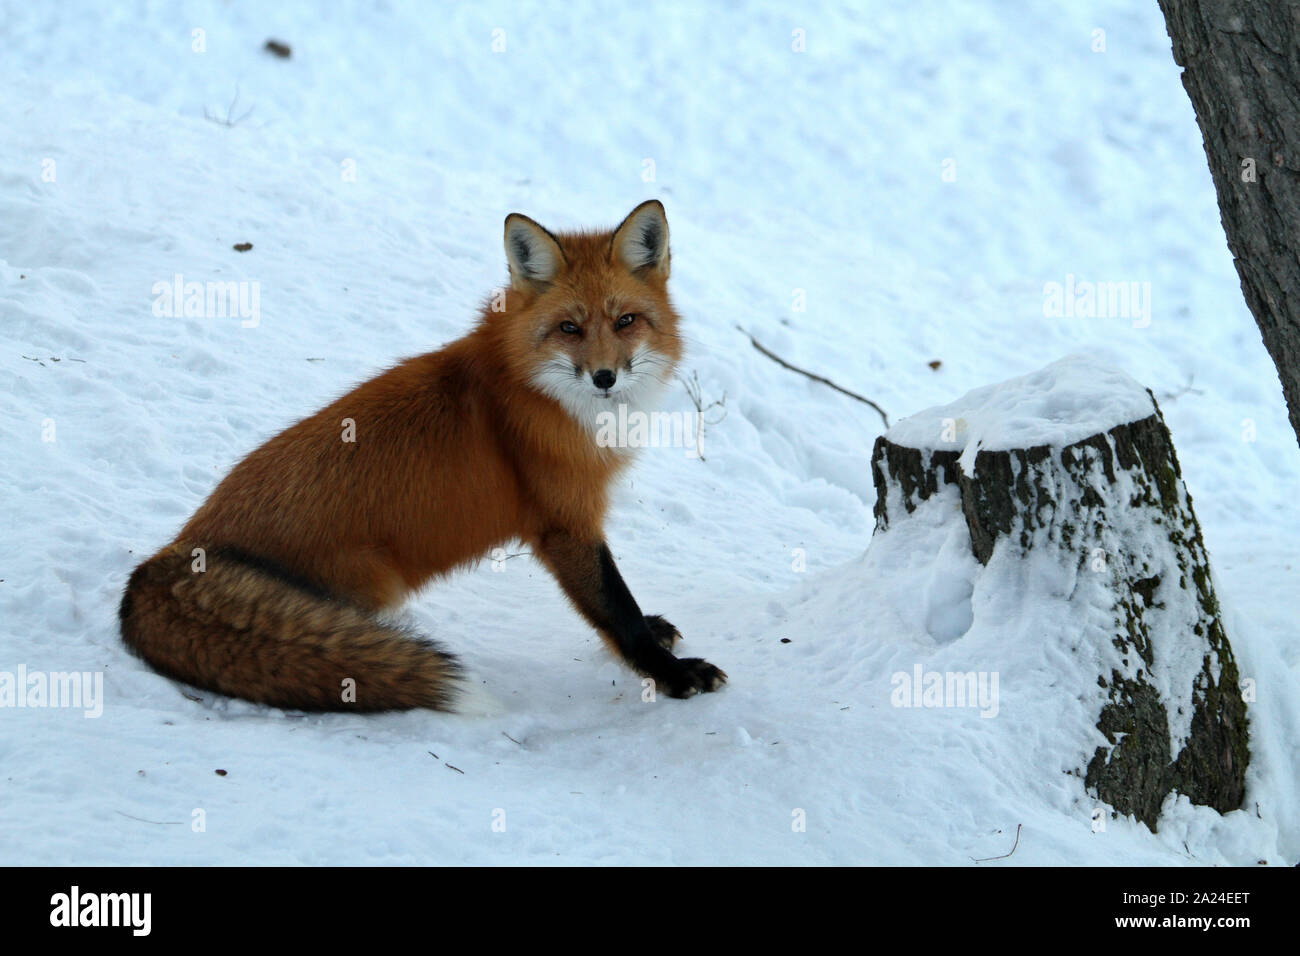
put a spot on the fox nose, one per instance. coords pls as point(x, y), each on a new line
point(603, 378)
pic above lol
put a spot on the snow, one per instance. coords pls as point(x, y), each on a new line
point(1067, 401)
point(812, 201)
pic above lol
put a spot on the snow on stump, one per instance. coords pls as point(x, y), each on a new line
point(1074, 465)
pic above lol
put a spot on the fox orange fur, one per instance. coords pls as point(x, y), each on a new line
point(273, 590)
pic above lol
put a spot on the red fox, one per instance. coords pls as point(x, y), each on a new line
point(273, 590)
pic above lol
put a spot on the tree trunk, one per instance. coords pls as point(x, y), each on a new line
point(1112, 515)
point(1241, 68)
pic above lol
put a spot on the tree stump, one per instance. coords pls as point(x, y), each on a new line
point(1074, 465)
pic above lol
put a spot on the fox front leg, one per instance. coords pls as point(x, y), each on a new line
point(664, 633)
point(588, 575)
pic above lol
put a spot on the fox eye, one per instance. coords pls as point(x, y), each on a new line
point(624, 320)
point(569, 328)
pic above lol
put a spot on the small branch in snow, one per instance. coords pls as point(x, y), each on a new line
point(157, 823)
point(1004, 855)
point(814, 376)
point(230, 119)
point(1171, 396)
point(696, 393)
point(447, 765)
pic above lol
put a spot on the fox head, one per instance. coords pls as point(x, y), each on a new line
point(588, 315)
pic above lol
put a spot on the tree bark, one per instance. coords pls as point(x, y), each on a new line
point(1241, 68)
point(1113, 511)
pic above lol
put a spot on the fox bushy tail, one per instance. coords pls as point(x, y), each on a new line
point(244, 627)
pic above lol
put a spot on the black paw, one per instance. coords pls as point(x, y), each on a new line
point(693, 676)
point(665, 635)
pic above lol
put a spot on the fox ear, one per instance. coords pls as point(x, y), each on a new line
point(534, 255)
point(641, 240)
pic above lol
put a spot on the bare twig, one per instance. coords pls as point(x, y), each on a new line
point(1004, 855)
point(814, 376)
point(157, 823)
point(503, 558)
point(230, 119)
point(1171, 396)
point(696, 393)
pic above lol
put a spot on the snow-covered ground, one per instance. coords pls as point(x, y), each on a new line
point(901, 190)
